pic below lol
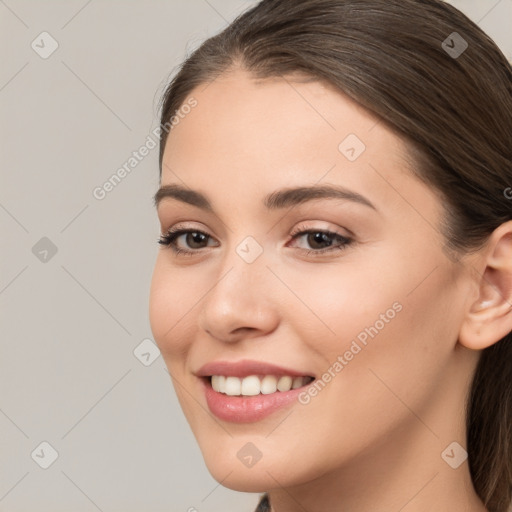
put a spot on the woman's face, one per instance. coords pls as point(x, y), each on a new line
point(374, 318)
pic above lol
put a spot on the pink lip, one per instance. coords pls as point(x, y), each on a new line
point(245, 368)
point(246, 409)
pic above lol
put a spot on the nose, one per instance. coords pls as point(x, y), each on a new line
point(241, 302)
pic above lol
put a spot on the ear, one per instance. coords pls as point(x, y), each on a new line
point(489, 318)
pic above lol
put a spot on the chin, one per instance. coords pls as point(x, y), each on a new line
point(264, 475)
point(242, 479)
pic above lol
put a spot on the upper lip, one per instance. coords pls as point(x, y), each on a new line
point(245, 368)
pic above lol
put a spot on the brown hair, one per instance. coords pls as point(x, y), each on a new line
point(396, 58)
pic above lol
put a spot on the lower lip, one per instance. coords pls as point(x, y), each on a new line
point(247, 409)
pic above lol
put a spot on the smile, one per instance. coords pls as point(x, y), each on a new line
point(248, 391)
point(254, 385)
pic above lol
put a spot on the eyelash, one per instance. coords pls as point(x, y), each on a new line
point(168, 240)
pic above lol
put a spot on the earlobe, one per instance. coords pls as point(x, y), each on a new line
point(489, 317)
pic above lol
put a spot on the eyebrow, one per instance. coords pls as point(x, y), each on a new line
point(276, 200)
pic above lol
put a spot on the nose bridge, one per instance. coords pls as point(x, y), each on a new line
point(242, 295)
point(243, 275)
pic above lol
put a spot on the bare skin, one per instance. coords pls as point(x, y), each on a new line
point(375, 438)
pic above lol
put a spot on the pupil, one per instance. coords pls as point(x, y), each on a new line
point(196, 238)
point(320, 238)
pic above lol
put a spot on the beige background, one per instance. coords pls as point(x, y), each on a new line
point(71, 321)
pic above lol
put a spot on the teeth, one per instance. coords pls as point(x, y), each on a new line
point(219, 382)
point(250, 386)
point(268, 385)
point(233, 386)
point(297, 382)
point(284, 384)
point(253, 385)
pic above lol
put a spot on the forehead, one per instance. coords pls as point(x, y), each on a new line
point(247, 137)
point(239, 117)
point(276, 108)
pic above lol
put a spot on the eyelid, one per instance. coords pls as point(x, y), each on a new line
point(180, 229)
point(303, 226)
point(298, 229)
point(169, 240)
point(184, 225)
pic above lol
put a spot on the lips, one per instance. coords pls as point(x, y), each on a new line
point(233, 406)
point(246, 368)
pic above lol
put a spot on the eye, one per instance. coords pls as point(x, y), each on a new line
point(193, 238)
point(321, 241)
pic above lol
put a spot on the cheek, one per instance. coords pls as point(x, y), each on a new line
point(392, 322)
point(171, 307)
point(340, 301)
point(401, 361)
point(378, 295)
